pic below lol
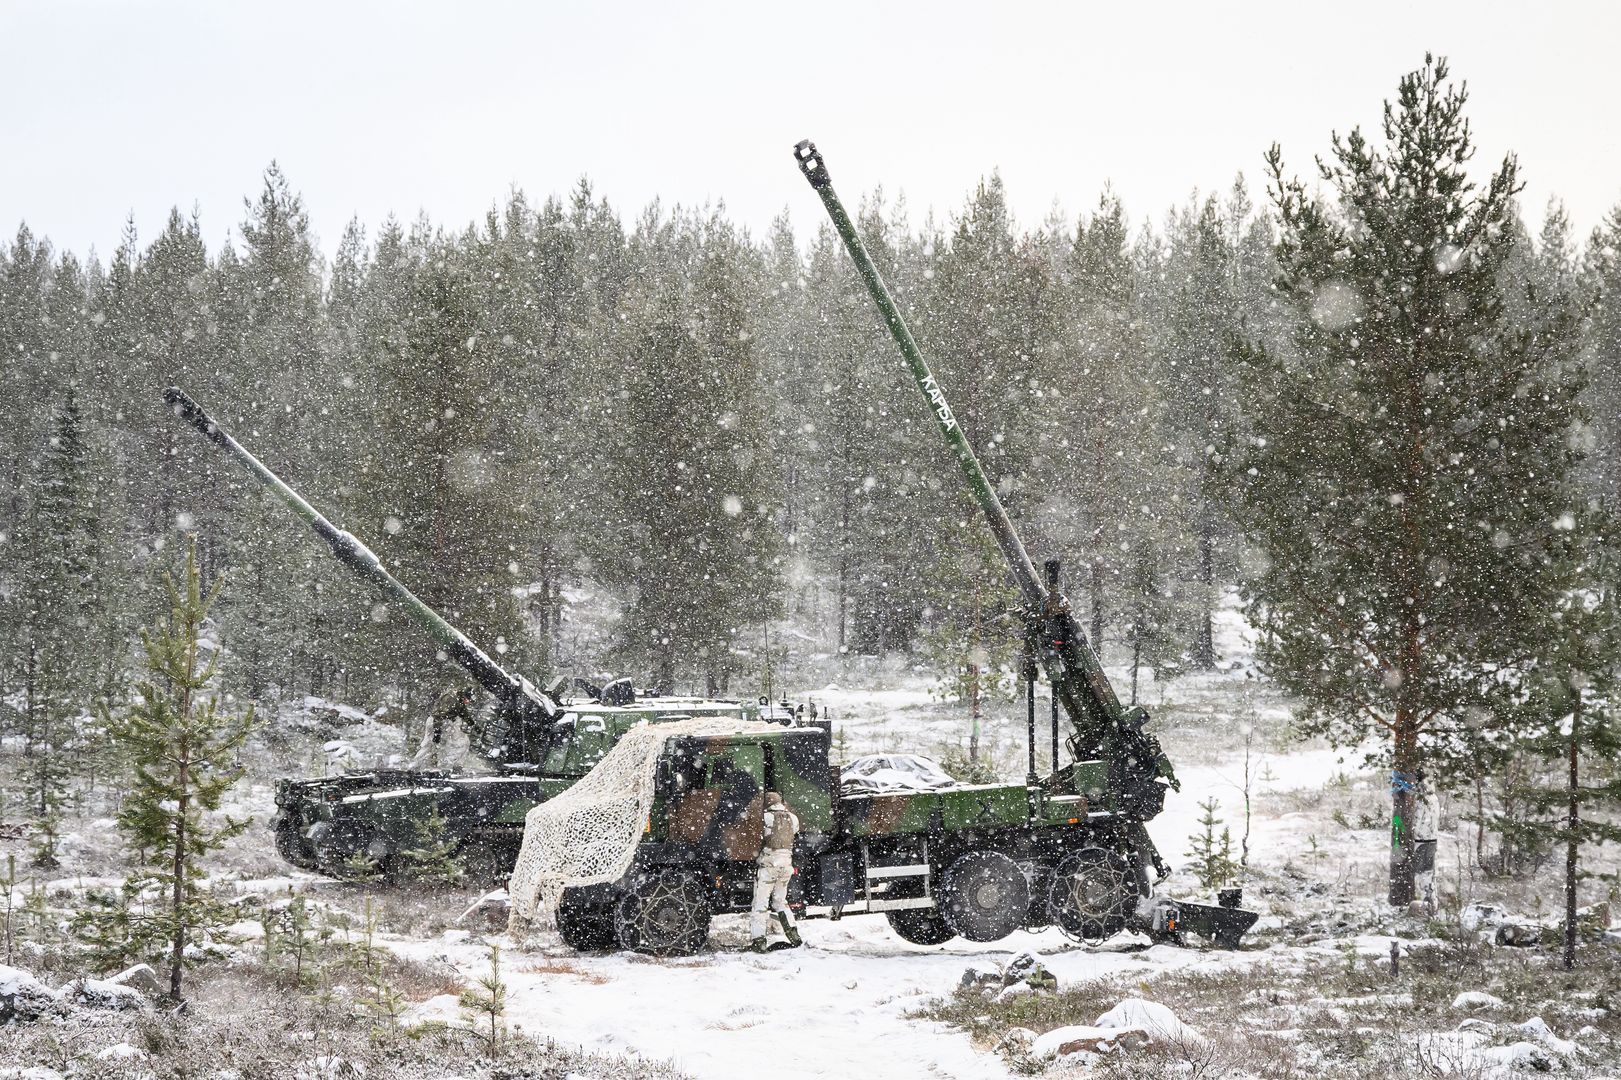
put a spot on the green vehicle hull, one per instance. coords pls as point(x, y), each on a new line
point(364, 823)
point(978, 861)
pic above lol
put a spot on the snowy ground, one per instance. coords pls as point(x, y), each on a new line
point(847, 1004)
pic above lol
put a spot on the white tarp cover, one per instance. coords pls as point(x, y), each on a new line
point(588, 834)
point(882, 774)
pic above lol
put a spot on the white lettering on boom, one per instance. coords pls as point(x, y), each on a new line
point(941, 410)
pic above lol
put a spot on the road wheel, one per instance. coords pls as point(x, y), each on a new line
point(1093, 892)
point(666, 914)
point(985, 896)
point(486, 862)
point(292, 845)
point(585, 927)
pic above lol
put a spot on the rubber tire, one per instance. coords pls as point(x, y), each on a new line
point(920, 926)
point(664, 914)
point(585, 927)
point(985, 896)
point(1110, 866)
point(293, 847)
point(485, 863)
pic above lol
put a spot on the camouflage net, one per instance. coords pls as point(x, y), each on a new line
point(588, 834)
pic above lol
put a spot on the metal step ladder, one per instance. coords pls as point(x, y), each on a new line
point(893, 873)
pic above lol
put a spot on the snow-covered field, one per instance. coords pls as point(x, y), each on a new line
point(848, 1004)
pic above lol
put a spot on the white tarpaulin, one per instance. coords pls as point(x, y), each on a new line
point(588, 834)
point(882, 774)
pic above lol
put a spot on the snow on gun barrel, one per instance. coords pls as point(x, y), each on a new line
point(588, 834)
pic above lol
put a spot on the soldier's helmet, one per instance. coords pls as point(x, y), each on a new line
point(773, 801)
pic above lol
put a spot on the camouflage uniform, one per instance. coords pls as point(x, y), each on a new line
point(774, 869)
point(453, 705)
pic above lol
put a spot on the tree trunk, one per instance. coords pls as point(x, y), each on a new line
point(1572, 839)
point(664, 672)
point(844, 561)
point(177, 953)
point(1403, 763)
point(1204, 640)
point(1136, 661)
point(974, 710)
point(1097, 609)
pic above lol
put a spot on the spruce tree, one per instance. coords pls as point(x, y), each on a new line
point(184, 750)
point(62, 595)
point(695, 522)
point(1409, 447)
point(877, 476)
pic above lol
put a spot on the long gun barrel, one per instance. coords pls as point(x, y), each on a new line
point(516, 694)
point(1073, 668)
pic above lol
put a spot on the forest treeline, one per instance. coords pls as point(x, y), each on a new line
point(710, 426)
point(713, 427)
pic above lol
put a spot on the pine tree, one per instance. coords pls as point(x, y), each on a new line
point(1212, 852)
point(1562, 712)
point(1408, 449)
point(877, 477)
point(271, 319)
point(486, 1000)
point(1601, 282)
point(62, 597)
point(968, 635)
point(184, 751)
point(1096, 412)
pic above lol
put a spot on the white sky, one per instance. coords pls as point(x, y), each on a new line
point(116, 107)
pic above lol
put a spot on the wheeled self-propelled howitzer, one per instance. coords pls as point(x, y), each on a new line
point(1103, 731)
point(538, 741)
point(978, 861)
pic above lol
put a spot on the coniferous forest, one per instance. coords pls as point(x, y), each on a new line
point(1371, 401)
point(1332, 461)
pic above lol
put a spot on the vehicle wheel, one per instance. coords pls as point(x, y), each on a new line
point(485, 862)
point(585, 927)
point(665, 914)
point(920, 926)
point(985, 896)
point(292, 846)
point(1093, 892)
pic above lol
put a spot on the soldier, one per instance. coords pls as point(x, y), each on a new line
point(773, 870)
point(455, 704)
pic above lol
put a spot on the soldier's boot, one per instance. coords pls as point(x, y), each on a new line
point(789, 930)
point(758, 945)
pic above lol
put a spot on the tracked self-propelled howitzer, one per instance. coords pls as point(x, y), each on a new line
point(537, 741)
point(979, 861)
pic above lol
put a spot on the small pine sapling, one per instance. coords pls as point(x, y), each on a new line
point(434, 856)
point(360, 868)
point(184, 752)
point(10, 884)
point(1212, 853)
point(298, 940)
point(486, 1001)
point(104, 925)
point(381, 999)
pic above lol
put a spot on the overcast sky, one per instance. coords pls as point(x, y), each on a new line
point(112, 108)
